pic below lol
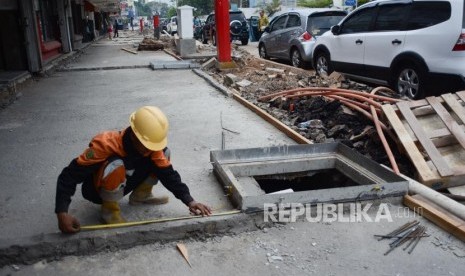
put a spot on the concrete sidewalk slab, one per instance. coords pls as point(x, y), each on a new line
point(113, 56)
point(57, 116)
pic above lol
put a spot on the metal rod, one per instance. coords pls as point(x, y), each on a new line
point(414, 235)
point(399, 230)
point(416, 241)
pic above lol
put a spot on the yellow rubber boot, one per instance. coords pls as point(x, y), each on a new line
point(142, 194)
point(111, 212)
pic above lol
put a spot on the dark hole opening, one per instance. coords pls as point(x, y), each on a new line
point(304, 181)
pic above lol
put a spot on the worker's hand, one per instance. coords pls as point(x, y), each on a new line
point(198, 208)
point(67, 223)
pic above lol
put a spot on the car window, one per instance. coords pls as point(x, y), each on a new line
point(279, 23)
point(391, 17)
point(426, 14)
point(318, 23)
point(293, 21)
point(358, 22)
point(236, 16)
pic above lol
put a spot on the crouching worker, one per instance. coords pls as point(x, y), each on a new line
point(121, 162)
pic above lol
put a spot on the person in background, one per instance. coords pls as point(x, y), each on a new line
point(115, 27)
point(262, 23)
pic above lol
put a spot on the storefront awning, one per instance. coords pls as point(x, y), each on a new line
point(106, 5)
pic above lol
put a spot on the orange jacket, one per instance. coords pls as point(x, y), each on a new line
point(118, 144)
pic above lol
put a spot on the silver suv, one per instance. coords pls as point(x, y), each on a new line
point(291, 35)
point(415, 46)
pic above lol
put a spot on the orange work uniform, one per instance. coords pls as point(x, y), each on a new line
point(105, 147)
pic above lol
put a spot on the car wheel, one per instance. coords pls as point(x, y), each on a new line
point(410, 81)
point(214, 39)
point(245, 41)
point(262, 51)
point(323, 64)
point(296, 59)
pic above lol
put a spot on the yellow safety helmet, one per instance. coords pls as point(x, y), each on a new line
point(150, 125)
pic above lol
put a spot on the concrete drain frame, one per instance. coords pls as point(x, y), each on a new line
point(236, 170)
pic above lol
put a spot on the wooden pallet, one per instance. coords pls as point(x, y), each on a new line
point(432, 134)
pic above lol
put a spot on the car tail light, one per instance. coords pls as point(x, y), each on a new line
point(306, 36)
point(460, 45)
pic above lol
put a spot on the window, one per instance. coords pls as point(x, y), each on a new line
point(279, 23)
point(358, 22)
point(391, 17)
point(426, 14)
point(318, 23)
point(293, 21)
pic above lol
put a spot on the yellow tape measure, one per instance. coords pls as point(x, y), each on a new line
point(136, 223)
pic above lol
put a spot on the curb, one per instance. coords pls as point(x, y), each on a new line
point(102, 68)
point(213, 82)
point(55, 246)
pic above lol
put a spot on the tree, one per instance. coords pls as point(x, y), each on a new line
point(202, 7)
point(272, 7)
point(142, 10)
point(171, 12)
point(323, 3)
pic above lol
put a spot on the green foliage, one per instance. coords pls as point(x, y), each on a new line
point(171, 12)
point(323, 3)
point(271, 8)
point(142, 10)
point(202, 7)
point(315, 3)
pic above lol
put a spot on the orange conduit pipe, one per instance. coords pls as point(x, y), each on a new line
point(361, 110)
point(324, 90)
point(386, 146)
point(362, 105)
point(349, 95)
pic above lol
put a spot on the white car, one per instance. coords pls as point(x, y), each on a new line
point(416, 47)
point(172, 26)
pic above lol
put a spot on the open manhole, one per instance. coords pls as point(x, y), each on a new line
point(315, 173)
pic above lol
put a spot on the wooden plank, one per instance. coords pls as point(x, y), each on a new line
point(455, 106)
point(406, 140)
point(442, 167)
point(272, 120)
point(129, 51)
point(437, 215)
point(451, 124)
point(461, 95)
point(460, 190)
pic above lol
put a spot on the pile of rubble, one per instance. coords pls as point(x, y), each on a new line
point(151, 44)
point(318, 119)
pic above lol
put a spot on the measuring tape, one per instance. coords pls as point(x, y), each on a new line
point(135, 223)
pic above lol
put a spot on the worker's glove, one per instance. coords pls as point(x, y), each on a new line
point(198, 208)
point(67, 223)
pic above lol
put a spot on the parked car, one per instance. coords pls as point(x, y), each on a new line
point(416, 47)
point(238, 28)
point(172, 26)
point(163, 23)
point(291, 35)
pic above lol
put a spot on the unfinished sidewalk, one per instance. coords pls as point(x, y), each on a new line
point(55, 120)
point(57, 116)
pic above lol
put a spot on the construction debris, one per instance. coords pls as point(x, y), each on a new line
point(183, 250)
point(151, 44)
point(410, 231)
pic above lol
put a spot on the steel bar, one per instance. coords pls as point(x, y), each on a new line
point(400, 229)
point(417, 240)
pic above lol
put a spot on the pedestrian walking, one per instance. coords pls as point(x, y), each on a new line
point(115, 27)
